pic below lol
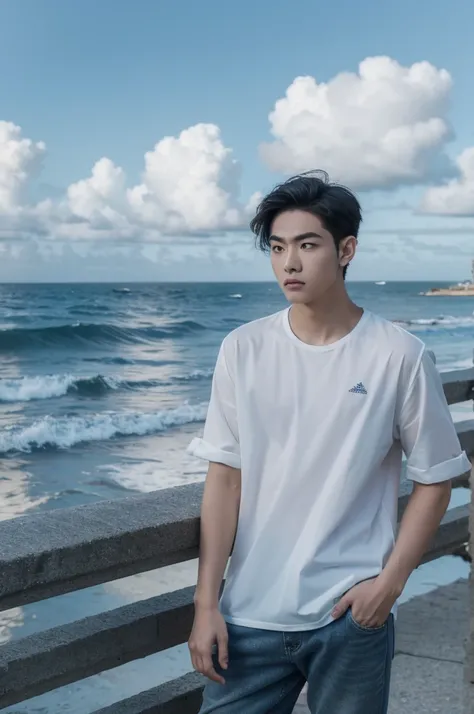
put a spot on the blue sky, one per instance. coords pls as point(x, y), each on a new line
point(113, 78)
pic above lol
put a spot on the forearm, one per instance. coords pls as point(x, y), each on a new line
point(421, 519)
point(219, 516)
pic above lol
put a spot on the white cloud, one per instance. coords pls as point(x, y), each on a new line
point(190, 184)
point(379, 128)
point(20, 158)
point(456, 197)
point(100, 197)
point(253, 203)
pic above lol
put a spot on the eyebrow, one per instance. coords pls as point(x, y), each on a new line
point(302, 236)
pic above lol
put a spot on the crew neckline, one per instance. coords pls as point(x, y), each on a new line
point(322, 348)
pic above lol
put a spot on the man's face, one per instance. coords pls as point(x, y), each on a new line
point(303, 250)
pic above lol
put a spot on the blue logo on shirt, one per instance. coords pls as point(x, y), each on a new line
point(358, 389)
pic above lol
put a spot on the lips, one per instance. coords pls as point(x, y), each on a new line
point(293, 282)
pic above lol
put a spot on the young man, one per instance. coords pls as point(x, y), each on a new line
point(310, 411)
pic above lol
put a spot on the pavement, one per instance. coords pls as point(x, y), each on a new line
point(429, 665)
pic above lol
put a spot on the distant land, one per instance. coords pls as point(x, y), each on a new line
point(465, 289)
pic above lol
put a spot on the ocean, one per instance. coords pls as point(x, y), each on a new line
point(102, 388)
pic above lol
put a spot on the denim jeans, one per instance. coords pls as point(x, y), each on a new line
point(347, 668)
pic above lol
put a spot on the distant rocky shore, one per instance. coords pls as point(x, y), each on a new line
point(466, 289)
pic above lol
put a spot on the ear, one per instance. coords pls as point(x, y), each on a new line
point(347, 250)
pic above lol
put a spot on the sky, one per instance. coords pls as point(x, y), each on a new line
point(136, 138)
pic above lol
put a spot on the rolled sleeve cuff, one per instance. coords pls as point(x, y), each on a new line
point(203, 450)
point(441, 472)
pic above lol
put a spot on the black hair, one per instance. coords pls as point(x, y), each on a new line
point(335, 205)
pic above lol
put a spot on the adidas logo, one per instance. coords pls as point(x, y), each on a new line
point(358, 389)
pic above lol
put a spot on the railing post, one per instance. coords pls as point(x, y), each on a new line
point(470, 648)
point(470, 653)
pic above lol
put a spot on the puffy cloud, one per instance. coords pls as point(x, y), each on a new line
point(379, 128)
point(100, 197)
point(190, 184)
point(20, 158)
point(456, 197)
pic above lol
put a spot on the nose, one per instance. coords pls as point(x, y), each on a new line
point(292, 262)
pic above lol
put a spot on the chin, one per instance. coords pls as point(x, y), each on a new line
point(296, 298)
point(303, 297)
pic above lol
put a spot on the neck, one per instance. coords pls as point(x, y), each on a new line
point(326, 320)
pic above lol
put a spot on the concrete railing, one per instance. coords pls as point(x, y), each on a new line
point(61, 551)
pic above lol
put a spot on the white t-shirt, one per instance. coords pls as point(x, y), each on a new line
point(318, 433)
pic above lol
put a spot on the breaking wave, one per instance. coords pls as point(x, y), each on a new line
point(443, 321)
point(25, 389)
point(65, 432)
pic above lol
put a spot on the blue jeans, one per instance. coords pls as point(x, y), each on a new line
point(347, 668)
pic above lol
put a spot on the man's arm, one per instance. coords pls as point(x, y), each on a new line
point(219, 516)
point(421, 519)
point(219, 446)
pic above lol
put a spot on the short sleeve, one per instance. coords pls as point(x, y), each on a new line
point(220, 442)
point(426, 429)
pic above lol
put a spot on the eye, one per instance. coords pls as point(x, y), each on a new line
point(308, 245)
point(276, 248)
